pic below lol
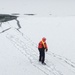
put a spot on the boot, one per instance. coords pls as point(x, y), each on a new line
point(44, 63)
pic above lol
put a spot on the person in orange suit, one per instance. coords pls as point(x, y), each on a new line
point(42, 47)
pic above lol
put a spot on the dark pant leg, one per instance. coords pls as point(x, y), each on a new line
point(42, 55)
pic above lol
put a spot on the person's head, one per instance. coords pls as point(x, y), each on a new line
point(43, 39)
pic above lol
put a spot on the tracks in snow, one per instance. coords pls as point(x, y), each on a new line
point(29, 49)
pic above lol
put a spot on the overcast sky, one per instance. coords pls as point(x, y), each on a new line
point(54, 7)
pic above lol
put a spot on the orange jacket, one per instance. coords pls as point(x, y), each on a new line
point(42, 44)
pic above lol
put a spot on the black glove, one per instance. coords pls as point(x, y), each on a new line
point(46, 50)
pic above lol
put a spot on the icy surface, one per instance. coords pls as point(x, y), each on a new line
point(19, 38)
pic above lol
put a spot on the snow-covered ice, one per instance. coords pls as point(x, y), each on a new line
point(19, 38)
point(19, 53)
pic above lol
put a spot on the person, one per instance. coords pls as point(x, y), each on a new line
point(42, 47)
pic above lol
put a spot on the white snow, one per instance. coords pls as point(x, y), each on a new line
point(18, 48)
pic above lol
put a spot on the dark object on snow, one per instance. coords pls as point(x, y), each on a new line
point(7, 17)
point(30, 14)
point(15, 14)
